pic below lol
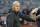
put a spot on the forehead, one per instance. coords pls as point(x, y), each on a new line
point(16, 4)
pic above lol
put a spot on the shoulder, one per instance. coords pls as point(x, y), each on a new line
point(20, 13)
point(9, 14)
point(38, 9)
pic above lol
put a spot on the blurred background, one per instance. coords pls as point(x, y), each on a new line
point(26, 7)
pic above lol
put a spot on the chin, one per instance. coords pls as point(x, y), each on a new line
point(16, 11)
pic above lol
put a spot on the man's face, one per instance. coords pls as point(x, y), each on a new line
point(33, 6)
point(5, 11)
point(26, 7)
point(16, 7)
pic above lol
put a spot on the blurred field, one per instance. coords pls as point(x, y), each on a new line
point(21, 25)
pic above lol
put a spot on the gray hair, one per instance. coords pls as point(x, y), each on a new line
point(15, 2)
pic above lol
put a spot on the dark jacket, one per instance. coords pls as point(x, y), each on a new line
point(38, 12)
point(13, 19)
point(10, 10)
point(26, 11)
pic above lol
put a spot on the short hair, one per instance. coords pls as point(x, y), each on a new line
point(15, 2)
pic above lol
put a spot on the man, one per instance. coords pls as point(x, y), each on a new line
point(0, 20)
point(27, 12)
point(33, 12)
point(5, 13)
point(33, 7)
point(38, 17)
point(13, 18)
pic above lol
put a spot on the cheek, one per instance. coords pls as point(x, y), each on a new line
point(12, 7)
point(17, 8)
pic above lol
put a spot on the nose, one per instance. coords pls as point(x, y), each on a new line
point(17, 7)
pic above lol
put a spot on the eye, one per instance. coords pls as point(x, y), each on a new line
point(17, 6)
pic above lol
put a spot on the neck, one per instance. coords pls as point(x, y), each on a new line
point(14, 11)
